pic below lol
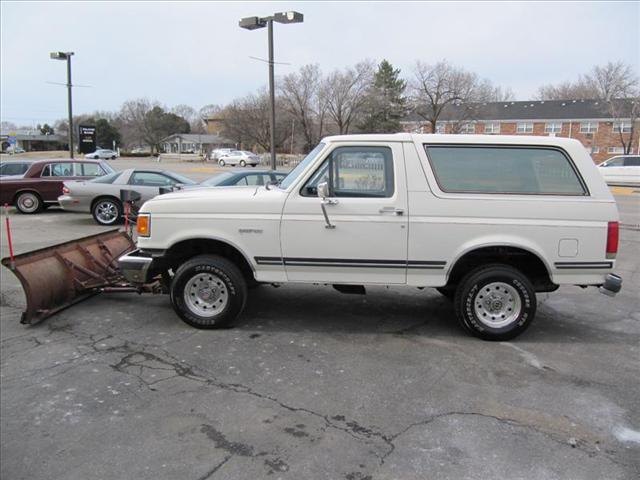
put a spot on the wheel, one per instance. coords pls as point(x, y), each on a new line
point(254, 165)
point(28, 202)
point(243, 163)
point(495, 302)
point(113, 157)
point(448, 292)
point(208, 291)
point(107, 211)
point(96, 157)
point(221, 162)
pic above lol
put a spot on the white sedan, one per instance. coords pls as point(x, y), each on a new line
point(103, 153)
point(239, 157)
point(621, 170)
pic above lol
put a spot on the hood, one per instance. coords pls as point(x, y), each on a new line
point(215, 200)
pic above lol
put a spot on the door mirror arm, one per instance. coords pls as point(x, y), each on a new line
point(323, 193)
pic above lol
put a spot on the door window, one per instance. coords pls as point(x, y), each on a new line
point(632, 162)
point(355, 172)
point(150, 179)
point(256, 179)
point(58, 170)
point(89, 170)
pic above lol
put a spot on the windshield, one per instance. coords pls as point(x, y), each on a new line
point(295, 173)
point(181, 179)
point(217, 179)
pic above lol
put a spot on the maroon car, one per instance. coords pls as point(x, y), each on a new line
point(41, 185)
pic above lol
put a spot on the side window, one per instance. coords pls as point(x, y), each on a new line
point(355, 172)
point(46, 171)
point(632, 162)
point(89, 170)
point(617, 162)
point(255, 179)
point(506, 170)
point(150, 179)
point(58, 170)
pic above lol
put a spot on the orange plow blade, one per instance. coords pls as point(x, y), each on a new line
point(56, 277)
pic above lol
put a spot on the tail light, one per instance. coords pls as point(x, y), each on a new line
point(612, 239)
point(66, 191)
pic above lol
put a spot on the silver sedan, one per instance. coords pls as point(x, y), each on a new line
point(239, 157)
point(101, 196)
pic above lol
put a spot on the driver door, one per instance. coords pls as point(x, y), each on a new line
point(363, 239)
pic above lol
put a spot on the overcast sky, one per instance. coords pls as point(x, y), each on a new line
point(195, 53)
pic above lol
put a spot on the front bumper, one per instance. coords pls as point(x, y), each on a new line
point(612, 285)
point(136, 266)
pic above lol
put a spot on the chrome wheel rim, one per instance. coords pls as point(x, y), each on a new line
point(206, 295)
point(497, 304)
point(28, 202)
point(106, 212)
point(243, 163)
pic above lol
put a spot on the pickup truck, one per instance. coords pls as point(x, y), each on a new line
point(487, 220)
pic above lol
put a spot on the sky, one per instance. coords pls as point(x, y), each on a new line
point(194, 53)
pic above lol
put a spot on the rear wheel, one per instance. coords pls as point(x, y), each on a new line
point(28, 202)
point(107, 211)
point(495, 302)
point(113, 157)
point(208, 291)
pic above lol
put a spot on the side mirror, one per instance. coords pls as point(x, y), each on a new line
point(323, 190)
point(178, 186)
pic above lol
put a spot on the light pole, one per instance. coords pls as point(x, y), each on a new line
point(67, 56)
point(253, 23)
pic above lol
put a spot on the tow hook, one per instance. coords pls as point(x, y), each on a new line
point(612, 285)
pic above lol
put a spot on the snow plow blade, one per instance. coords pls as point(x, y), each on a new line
point(56, 277)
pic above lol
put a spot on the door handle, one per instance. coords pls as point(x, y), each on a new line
point(397, 211)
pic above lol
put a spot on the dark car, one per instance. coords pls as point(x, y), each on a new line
point(244, 178)
point(41, 185)
point(17, 167)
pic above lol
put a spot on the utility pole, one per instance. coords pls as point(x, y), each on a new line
point(67, 56)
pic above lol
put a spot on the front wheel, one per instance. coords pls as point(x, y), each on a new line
point(107, 211)
point(495, 302)
point(243, 163)
point(221, 163)
point(208, 291)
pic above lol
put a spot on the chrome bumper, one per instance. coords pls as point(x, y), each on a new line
point(135, 266)
point(612, 285)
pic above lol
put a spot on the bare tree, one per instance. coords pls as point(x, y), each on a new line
point(440, 87)
point(301, 97)
point(190, 114)
point(346, 94)
point(132, 121)
point(246, 121)
point(626, 112)
point(606, 82)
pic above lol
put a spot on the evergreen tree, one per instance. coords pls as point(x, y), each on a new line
point(386, 103)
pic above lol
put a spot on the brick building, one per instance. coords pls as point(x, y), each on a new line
point(590, 121)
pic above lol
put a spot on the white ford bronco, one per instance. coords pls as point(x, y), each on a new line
point(487, 220)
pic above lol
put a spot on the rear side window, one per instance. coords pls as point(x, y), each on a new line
point(632, 161)
point(510, 170)
point(58, 170)
point(89, 170)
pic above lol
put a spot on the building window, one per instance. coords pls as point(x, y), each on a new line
point(441, 127)
point(552, 127)
point(615, 150)
point(524, 127)
point(592, 150)
point(468, 128)
point(493, 127)
point(624, 127)
point(588, 127)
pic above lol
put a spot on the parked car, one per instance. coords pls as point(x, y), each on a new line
point(41, 185)
point(15, 168)
point(103, 153)
point(101, 196)
point(14, 150)
point(244, 178)
point(239, 157)
point(218, 153)
point(487, 220)
point(621, 170)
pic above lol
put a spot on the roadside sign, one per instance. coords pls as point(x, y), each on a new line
point(87, 136)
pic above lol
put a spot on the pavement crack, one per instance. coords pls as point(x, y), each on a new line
point(212, 472)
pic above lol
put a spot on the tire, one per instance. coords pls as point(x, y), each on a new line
point(107, 211)
point(254, 165)
point(495, 302)
point(28, 203)
point(113, 158)
point(243, 163)
point(224, 289)
point(96, 157)
point(221, 162)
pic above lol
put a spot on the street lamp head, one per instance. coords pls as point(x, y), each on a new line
point(288, 17)
point(60, 55)
point(252, 23)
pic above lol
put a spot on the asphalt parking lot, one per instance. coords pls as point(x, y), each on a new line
point(315, 384)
